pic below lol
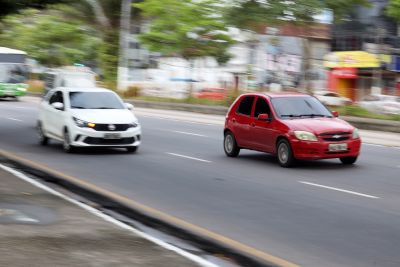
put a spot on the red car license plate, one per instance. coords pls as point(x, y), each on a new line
point(337, 147)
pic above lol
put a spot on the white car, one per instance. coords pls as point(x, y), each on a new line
point(384, 104)
point(331, 98)
point(92, 117)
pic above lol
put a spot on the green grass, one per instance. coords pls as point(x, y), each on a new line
point(357, 111)
point(191, 100)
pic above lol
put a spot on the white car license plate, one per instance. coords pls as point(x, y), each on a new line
point(337, 147)
point(112, 136)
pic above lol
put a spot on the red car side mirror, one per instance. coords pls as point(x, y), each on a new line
point(263, 117)
point(335, 114)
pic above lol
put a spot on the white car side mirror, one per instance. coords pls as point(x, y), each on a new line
point(58, 105)
point(129, 106)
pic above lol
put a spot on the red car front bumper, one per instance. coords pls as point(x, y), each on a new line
point(320, 149)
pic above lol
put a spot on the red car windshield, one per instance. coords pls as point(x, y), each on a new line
point(299, 107)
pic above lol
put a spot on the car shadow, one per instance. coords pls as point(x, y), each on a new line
point(326, 164)
point(259, 157)
point(57, 147)
point(8, 100)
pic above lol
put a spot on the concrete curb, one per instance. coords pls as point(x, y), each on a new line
point(208, 242)
point(374, 124)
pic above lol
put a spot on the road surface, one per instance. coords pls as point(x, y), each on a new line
point(319, 214)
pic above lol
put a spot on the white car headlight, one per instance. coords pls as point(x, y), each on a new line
point(356, 134)
point(305, 136)
point(83, 124)
point(133, 124)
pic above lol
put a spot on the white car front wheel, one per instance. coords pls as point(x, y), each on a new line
point(67, 142)
point(43, 139)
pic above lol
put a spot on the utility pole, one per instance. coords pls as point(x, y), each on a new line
point(124, 43)
point(377, 88)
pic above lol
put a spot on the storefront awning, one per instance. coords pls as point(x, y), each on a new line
point(355, 59)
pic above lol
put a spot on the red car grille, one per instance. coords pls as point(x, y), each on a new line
point(335, 137)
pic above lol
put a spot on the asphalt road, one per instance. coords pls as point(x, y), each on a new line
point(319, 214)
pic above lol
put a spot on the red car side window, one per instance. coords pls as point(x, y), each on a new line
point(246, 105)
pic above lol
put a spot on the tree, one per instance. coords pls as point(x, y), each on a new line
point(341, 8)
point(14, 6)
point(189, 29)
point(103, 15)
point(186, 28)
point(250, 15)
point(393, 10)
point(50, 37)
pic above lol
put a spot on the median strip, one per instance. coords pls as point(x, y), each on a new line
point(339, 189)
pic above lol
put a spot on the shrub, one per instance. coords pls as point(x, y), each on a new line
point(132, 91)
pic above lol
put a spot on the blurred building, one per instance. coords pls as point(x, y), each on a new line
point(292, 56)
point(364, 48)
point(273, 58)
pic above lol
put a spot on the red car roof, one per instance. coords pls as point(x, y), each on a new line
point(279, 94)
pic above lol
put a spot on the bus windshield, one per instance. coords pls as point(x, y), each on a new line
point(13, 73)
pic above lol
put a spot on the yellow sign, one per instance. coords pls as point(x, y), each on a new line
point(354, 59)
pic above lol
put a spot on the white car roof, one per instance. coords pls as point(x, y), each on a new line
point(321, 92)
point(94, 89)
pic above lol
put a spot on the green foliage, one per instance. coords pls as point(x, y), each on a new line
point(357, 111)
point(49, 37)
point(250, 14)
point(393, 9)
point(108, 56)
point(14, 6)
point(341, 8)
point(186, 28)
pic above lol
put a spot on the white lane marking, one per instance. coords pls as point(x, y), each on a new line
point(187, 133)
point(340, 190)
point(194, 258)
point(383, 146)
point(13, 119)
point(187, 157)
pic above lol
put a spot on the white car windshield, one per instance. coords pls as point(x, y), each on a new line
point(78, 83)
point(95, 100)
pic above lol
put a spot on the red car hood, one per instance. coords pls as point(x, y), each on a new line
point(319, 125)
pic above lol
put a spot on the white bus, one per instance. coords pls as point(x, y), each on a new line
point(13, 72)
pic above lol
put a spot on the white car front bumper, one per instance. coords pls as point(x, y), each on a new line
point(87, 137)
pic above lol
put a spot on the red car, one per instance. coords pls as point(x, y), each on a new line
point(292, 126)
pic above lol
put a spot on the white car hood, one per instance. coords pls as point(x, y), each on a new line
point(104, 116)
